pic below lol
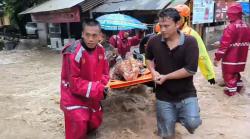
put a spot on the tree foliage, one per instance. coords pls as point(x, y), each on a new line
point(12, 8)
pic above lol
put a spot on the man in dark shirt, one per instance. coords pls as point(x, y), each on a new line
point(172, 59)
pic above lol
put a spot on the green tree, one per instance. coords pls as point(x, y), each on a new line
point(13, 7)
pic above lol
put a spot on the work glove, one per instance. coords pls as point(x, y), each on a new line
point(138, 56)
point(211, 81)
point(118, 59)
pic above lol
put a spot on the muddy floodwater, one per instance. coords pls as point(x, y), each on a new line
point(29, 104)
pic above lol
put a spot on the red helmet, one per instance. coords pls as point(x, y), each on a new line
point(234, 8)
point(234, 12)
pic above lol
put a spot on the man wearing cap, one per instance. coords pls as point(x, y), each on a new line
point(122, 42)
point(233, 50)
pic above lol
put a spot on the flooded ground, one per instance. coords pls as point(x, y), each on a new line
point(29, 103)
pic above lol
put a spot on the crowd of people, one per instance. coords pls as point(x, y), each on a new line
point(173, 53)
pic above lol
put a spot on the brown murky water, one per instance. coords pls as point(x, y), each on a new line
point(29, 103)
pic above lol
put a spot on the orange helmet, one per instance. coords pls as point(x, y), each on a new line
point(157, 28)
point(183, 9)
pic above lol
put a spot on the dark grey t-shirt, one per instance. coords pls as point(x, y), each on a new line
point(185, 55)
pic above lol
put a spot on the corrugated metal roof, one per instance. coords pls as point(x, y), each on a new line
point(177, 2)
point(130, 5)
point(89, 4)
point(52, 5)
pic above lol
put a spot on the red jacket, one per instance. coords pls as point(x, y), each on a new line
point(123, 44)
point(83, 77)
point(234, 45)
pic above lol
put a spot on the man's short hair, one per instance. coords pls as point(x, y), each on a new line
point(90, 22)
point(170, 13)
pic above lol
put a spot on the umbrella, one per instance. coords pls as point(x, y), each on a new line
point(119, 22)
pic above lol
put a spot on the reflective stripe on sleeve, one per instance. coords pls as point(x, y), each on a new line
point(89, 89)
point(232, 63)
point(79, 55)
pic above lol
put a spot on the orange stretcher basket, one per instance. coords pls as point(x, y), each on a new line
point(146, 77)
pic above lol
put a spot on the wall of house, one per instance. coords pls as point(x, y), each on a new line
point(4, 20)
point(42, 33)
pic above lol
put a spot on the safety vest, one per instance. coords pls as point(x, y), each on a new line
point(204, 62)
